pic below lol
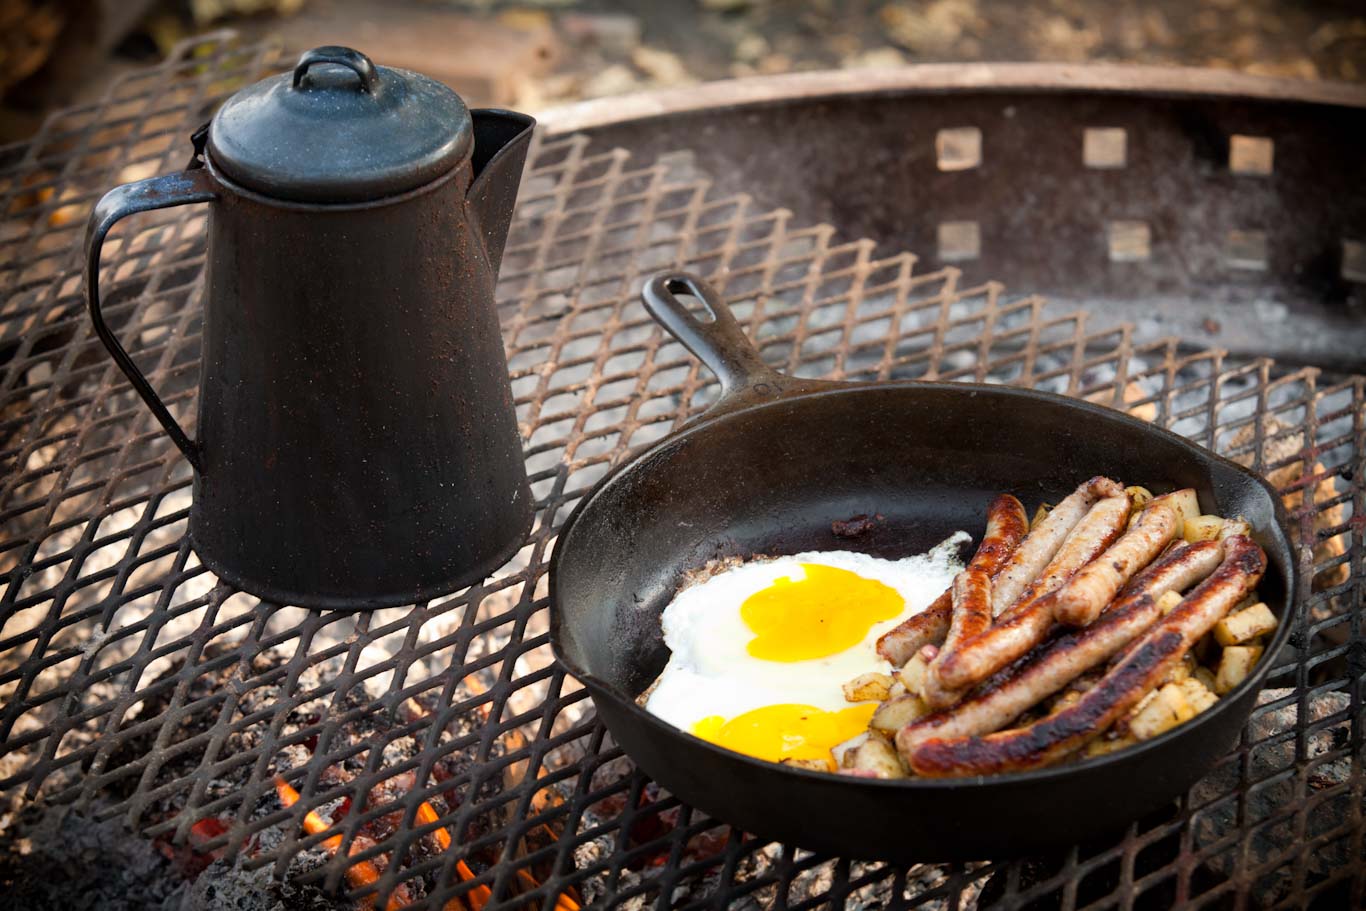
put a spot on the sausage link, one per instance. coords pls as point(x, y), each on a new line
point(1006, 525)
point(1043, 543)
point(971, 589)
point(1082, 597)
point(1024, 625)
point(1103, 523)
point(929, 627)
point(1059, 662)
point(1053, 738)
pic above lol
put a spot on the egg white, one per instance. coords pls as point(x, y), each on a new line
point(710, 671)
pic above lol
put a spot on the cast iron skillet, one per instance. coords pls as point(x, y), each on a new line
point(766, 471)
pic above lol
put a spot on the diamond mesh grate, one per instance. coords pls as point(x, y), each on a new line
point(445, 760)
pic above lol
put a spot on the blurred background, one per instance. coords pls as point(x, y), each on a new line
point(533, 54)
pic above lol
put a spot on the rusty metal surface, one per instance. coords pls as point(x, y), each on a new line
point(1227, 210)
point(439, 745)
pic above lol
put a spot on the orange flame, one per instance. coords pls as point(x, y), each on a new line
point(479, 896)
point(359, 874)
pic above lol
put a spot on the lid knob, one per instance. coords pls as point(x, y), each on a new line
point(353, 60)
point(339, 130)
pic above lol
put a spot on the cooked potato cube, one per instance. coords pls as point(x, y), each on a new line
point(868, 688)
point(1168, 602)
point(897, 690)
point(1169, 709)
point(876, 756)
point(1244, 626)
point(1182, 670)
point(1138, 497)
point(1234, 665)
point(1121, 728)
point(886, 737)
point(1202, 528)
point(1198, 694)
point(1185, 503)
point(1205, 676)
point(844, 752)
point(895, 714)
point(1039, 515)
point(1235, 526)
point(1102, 745)
point(815, 765)
point(1068, 699)
point(912, 675)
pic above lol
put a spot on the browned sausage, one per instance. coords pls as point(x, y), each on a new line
point(929, 627)
point(1055, 664)
point(1006, 525)
point(1097, 530)
point(1024, 625)
point(1082, 597)
point(1043, 542)
point(1177, 569)
point(971, 589)
point(1053, 738)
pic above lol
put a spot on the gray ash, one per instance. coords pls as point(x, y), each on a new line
point(75, 857)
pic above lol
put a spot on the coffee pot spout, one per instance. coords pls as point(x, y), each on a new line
point(501, 139)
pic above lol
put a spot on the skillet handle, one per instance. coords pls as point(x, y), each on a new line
point(720, 343)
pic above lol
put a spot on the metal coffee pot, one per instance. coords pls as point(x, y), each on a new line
point(357, 445)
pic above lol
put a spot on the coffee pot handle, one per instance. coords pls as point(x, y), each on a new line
point(177, 189)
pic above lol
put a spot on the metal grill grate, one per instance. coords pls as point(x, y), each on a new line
point(457, 762)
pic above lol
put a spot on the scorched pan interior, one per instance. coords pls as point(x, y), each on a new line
point(766, 471)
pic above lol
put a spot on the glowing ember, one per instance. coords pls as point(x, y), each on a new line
point(362, 872)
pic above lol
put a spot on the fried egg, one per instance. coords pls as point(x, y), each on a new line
point(761, 651)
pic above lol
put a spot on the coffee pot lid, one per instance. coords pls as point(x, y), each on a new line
point(339, 130)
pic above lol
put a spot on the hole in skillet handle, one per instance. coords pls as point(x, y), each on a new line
point(720, 342)
point(711, 332)
point(696, 305)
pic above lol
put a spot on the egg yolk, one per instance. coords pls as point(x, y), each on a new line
point(776, 732)
point(823, 614)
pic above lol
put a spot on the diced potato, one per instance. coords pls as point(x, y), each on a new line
point(886, 737)
point(1234, 665)
point(1244, 626)
point(1066, 700)
point(912, 674)
point(897, 690)
point(1235, 526)
point(1039, 515)
point(841, 750)
point(1138, 497)
point(1198, 694)
point(1121, 728)
point(1202, 528)
point(1186, 504)
point(1205, 676)
point(876, 756)
point(895, 714)
point(815, 765)
point(1169, 709)
point(1103, 745)
point(868, 688)
point(1182, 670)
point(1168, 602)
